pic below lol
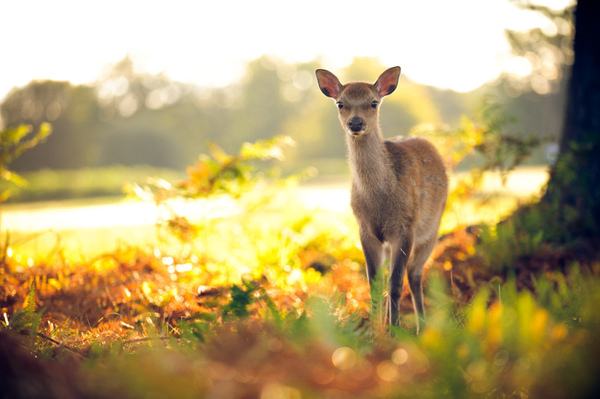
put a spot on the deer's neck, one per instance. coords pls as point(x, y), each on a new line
point(369, 162)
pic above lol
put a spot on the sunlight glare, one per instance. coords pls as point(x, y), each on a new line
point(200, 42)
point(344, 358)
point(400, 356)
point(183, 267)
point(388, 371)
point(273, 390)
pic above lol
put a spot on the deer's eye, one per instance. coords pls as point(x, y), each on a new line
point(374, 104)
point(340, 105)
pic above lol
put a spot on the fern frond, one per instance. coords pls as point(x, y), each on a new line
point(26, 318)
point(378, 298)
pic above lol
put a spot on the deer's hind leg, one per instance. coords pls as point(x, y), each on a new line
point(419, 256)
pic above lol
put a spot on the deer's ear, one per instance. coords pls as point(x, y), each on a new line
point(388, 81)
point(328, 83)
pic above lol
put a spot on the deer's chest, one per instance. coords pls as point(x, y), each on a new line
point(374, 212)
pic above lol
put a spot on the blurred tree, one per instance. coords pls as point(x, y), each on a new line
point(546, 51)
point(130, 116)
point(534, 89)
point(308, 120)
point(154, 120)
point(147, 119)
point(72, 110)
point(534, 85)
point(262, 108)
point(143, 147)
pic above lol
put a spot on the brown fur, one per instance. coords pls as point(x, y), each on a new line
point(399, 187)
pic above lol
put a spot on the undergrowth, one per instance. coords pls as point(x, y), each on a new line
point(248, 341)
point(265, 303)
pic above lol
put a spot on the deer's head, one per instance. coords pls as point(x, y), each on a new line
point(358, 103)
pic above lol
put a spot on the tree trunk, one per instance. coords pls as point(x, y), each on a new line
point(583, 107)
point(573, 194)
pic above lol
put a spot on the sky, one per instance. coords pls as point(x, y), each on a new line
point(455, 44)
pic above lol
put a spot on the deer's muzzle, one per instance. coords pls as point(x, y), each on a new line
point(355, 125)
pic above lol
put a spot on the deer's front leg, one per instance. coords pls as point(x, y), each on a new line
point(400, 254)
point(373, 249)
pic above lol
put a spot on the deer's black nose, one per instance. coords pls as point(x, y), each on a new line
point(355, 124)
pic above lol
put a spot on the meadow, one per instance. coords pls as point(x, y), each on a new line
point(255, 288)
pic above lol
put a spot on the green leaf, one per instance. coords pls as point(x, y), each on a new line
point(13, 178)
point(13, 142)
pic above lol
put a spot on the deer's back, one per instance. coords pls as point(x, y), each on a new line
point(419, 158)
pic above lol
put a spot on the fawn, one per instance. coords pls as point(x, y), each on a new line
point(399, 188)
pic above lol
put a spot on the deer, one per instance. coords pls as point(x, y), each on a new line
point(398, 192)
